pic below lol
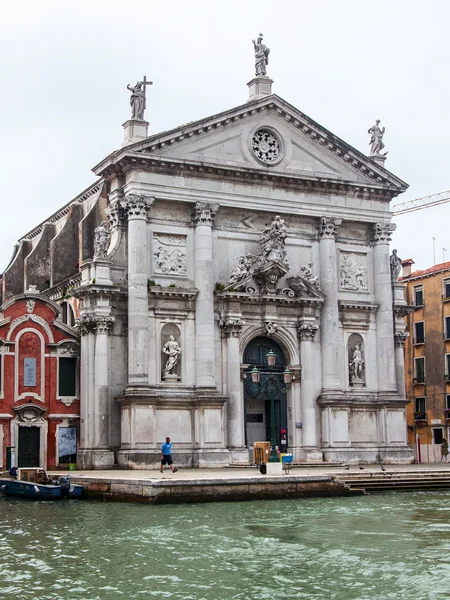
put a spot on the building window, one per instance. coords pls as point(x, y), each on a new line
point(419, 370)
point(67, 315)
point(67, 377)
point(418, 295)
point(447, 367)
point(447, 402)
point(438, 435)
point(446, 288)
point(447, 328)
point(420, 409)
point(419, 332)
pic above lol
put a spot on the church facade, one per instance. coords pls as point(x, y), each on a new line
point(205, 247)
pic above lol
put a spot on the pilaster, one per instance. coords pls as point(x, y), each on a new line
point(203, 219)
point(232, 328)
point(381, 235)
point(331, 350)
point(137, 208)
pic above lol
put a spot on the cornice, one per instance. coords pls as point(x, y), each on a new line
point(98, 291)
point(167, 292)
point(141, 150)
point(354, 305)
point(272, 299)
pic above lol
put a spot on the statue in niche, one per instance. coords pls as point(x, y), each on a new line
point(173, 350)
point(376, 140)
point(261, 56)
point(396, 265)
point(137, 101)
point(356, 365)
point(101, 240)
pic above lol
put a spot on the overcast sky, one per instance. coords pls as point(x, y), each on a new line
point(64, 71)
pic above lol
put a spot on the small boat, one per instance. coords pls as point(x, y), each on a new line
point(33, 482)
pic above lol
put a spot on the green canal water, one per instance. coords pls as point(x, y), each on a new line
point(379, 547)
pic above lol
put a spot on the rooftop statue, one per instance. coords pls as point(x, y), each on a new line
point(376, 140)
point(261, 56)
point(137, 99)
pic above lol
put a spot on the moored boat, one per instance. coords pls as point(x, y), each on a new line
point(33, 482)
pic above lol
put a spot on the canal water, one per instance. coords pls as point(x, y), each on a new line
point(379, 547)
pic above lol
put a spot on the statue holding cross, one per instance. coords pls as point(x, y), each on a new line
point(137, 100)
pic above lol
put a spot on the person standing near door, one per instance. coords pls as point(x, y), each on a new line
point(444, 450)
point(166, 457)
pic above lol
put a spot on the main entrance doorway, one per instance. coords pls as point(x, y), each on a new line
point(29, 447)
point(257, 401)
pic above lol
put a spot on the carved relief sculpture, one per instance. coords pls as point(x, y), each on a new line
point(173, 350)
point(353, 273)
point(261, 56)
point(273, 242)
point(169, 254)
point(396, 266)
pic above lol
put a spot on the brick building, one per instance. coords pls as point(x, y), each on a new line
point(427, 358)
point(39, 390)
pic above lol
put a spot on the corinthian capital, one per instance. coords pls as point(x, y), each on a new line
point(104, 324)
point(204, 213)
point(329, 226)
point(307, 331)
point(231, 327)
point(400, 339)
point(137, 206)
point(381, 232)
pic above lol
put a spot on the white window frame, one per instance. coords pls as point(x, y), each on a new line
point(445, 283)
point(417, 288)
point(424, 370)
point(414, 336)
point(68, 400)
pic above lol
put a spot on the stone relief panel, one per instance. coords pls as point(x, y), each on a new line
point(353, 271)
point(169, 254)
point(170, 353)
point(356, 363)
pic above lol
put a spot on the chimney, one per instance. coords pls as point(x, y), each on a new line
point(406, 267)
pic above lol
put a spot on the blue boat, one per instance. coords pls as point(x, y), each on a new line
point(33, 482)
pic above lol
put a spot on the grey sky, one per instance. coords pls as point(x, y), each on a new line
point(64, 71)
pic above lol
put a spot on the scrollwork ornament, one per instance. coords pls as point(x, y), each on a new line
point(381, 232)
point(329, 226)
point(307, 331)
point(231, 327)
point(30, 305)
point(137, 206)
point(400, 338)
point(271, 327)
point(204, 213)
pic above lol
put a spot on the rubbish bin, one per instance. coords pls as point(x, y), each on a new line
point(261, 452)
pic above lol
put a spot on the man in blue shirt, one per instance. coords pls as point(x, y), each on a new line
point(166, 458)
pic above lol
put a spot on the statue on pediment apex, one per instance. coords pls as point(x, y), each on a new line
point(261, 56)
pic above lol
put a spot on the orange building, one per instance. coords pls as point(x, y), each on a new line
point(427, 358)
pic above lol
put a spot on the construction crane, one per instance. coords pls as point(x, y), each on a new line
point(419, 203)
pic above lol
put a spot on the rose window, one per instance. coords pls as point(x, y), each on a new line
point(265, 146)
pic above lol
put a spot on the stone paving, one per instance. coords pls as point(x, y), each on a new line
point(245, 472)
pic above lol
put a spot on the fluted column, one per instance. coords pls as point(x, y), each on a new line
point(85, 327)
point(102, 409)
point(330, 339)
point(306, 332)
point(400, 339)
point(137, 208)
point(204, 303)
point(381, 235)
point(232, 329)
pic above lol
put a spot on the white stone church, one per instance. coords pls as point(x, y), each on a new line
point(205, 247)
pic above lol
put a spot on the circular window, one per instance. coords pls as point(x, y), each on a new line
point(265, 146)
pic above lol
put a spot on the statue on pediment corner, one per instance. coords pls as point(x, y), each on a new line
point(307, 274)
point(137, 101)
point(376, 140)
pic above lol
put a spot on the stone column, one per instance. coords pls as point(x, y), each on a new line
point(102, 409)
point(235, 411)
point(381, 235)
point(330, 338)
point(400, 339)
point(204, 303)
point(87, 342)
point(137, 208)
point(306, 332)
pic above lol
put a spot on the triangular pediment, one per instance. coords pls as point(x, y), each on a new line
point(227, 140)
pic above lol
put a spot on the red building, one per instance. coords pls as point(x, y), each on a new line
point(39, 395)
